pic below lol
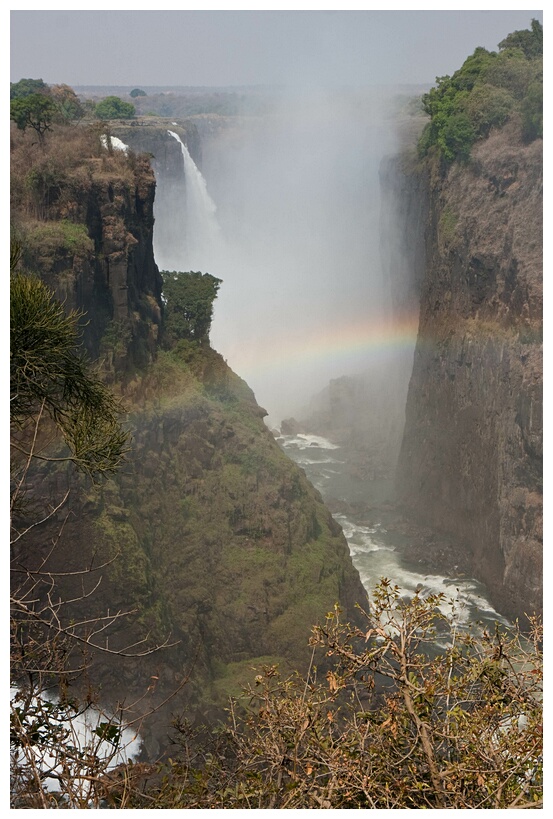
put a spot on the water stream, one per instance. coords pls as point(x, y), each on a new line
point(376, 551)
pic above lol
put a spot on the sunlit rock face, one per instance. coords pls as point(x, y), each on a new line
point(471, 459)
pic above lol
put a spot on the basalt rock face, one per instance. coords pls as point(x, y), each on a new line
point(109, 272)
point(471, 458)
point(150, 136)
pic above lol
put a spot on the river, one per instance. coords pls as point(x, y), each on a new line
point(376, 550)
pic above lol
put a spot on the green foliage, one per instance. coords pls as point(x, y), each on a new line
point(189, 306)
point(483, 94)
point(49, 379)
point(114, 108)
point(34, 111)
point(456, 137)
point(448, 221)
point(512, 72)
point(138, 92)
point(60, 103)
point(488, 107)
point(529, 42)
point(49, 238)
point(25, 88)
point(532, 112)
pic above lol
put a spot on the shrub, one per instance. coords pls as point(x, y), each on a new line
point(488, 107)
point(390, 723)
point(457, 137)
point(114, 108)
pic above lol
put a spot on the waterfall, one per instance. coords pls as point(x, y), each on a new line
point(201, 230)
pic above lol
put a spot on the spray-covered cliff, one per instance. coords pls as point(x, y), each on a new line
point(471, 460)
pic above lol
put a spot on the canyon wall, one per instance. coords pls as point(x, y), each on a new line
point(471, 459)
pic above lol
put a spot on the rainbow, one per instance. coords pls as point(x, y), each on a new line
point(354, 343)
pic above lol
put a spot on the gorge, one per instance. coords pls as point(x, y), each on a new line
point(223, 546)
point(419, 232)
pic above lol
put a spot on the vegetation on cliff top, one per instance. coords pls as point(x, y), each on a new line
point(114, 108)
point(35, 105)
point(488, 89)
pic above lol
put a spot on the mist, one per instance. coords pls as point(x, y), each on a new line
point(304, 299)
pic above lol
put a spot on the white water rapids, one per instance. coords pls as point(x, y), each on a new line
point(375, 552)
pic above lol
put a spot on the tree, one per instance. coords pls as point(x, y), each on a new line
point(457, 137)
point(488, 107)
point(68, 105)
point(114, 108)
point(48, 379)
point(138, 92)
point(189, 304)
point(35, 111)
point(24, 88)
point(529, 41)
point(52, 390)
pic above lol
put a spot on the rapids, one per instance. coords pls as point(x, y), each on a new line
point(377, 552)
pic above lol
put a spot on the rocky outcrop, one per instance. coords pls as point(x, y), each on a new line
point(95, 251)
point(149, 136)
point(470, 462)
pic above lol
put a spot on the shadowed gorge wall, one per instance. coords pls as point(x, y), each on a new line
point(471, 458)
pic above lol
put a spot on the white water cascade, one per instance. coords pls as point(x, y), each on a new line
point(201, 230)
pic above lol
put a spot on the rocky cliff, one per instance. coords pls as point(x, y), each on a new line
point(218, 542)
point(85, 218)
point(471, 459)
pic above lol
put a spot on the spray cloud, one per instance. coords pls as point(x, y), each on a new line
point(295, 241)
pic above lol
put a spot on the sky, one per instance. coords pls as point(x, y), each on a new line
point(251, 47)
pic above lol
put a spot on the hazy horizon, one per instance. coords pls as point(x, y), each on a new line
point(251, 48)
